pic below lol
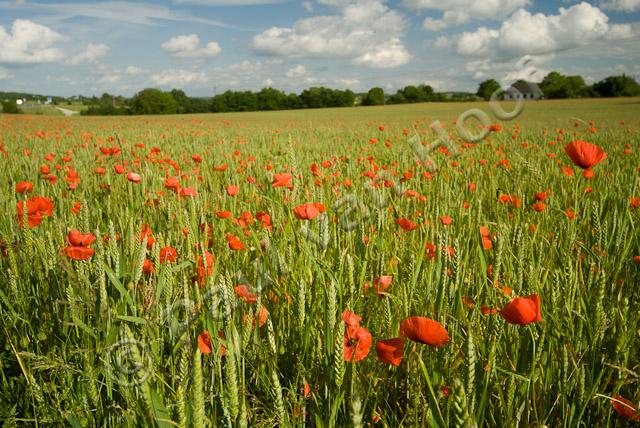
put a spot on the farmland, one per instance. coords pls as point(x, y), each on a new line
point(308, 268)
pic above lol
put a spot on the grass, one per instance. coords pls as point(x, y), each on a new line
point(103, 343)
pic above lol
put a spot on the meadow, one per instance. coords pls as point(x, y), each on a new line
point(307, 268)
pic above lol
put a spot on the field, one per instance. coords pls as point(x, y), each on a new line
point(310, 268)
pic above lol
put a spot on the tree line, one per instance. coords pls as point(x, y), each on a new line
point(155, 101)
point(556, 85)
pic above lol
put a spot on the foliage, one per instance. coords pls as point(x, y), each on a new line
point(556, 85)
point(10, 107)
point(117, 339)
point(153, 101)
point(374, 97)
point(617, 86)
point(487, 88)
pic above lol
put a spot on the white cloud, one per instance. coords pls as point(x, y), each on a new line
point(109, 79)
point(622, 5)
point(229, 2)
point(297, 71)
point(308, 6)
point(525, 33)
point(92, 53)
point(29, 43)
point(178, 78)
point(367, 32)
point(120, 11)
point(188, 46)
point(133, 70)
point(460, 11)
point(4, 73)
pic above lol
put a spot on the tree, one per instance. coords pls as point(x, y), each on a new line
point(374, 97)
point(10, 107)
point(617, 86)
point(486, 88)
point(556, 85)
point(153, 101)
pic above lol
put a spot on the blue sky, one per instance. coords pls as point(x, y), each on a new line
point(85, 47)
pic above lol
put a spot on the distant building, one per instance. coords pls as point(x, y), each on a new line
point(49, 100)
point(524, 91)
point(19, 102)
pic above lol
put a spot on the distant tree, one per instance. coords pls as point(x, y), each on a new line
point(271, 99)
point(153, 101)
point(617, 86)
point(374, 97)
point(556, 85)
point(182, 99)
point(486, 88)
point(10, 107)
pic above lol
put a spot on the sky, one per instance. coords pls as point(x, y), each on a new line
point(205, 47)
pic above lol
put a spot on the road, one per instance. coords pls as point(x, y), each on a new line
point(67, 112)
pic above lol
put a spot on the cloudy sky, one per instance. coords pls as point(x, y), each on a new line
point(202, 46)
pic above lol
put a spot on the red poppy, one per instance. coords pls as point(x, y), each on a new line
point(570, 214)
point(24, 187)
point(625, 408)
point(78, 252)
point(234, 243)
point(205, 269)
point(172, 183)
point(487, 310)
point(308, 211)
point(390, 351)
point(168, 255)
point(634, 203)
point(381, 283)
point(232, 190)
point(37, 208)
point(637, 259)
point(541, 196)
point(351, 318)
point(75, 238)
point(242, 291)
point(147, 233)
point(282, 179)
point(487, 244)
point(134, 177)
point(223, 214)
point(522, 310)
point(584, 155)
point(446, 220)
point(539, 206)
point(424, 330)
point(204, 342)
point(188, 191)
point(118, 169)
point(357, 343)
point(406, 224)
point(588, 174)
point(147, 266)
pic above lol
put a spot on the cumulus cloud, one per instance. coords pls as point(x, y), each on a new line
point(460, 11)
point(622, 5)
point(188, 46)
point(367, 32)
point(526, 33)
point(178, 78)
point(29, 43)
point(92, 53)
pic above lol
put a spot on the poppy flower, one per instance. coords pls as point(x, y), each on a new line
point(147, 266)
point(308, 211)
point(223, 214)
point(282, 179)
point(570, 214)
point(424, 330)
point(637, 259)
point(76, 238)
point(522, 310)
point(24, 187)
point(584, 155)
point(541, 196)
point(168, 255)
point(381, 283)
point(568, 171)
point(188, 191)
point(232, 190)
point(204, 342)
point(446, 220)
point(485, 310)
point(625, 408)
point(205, 269)
point(539, 207)
point(172, 183)
point(234, 243)
point(118, 169)
point(634, 203)
point(406, 224)
point(390, 351)
point(242, 291)
point(78, 252)
point(37, 208)
point(134, 177)
point(588, 174)
point(351, 318)
point(487, 244)
point(356, 343)
point(147, 233)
